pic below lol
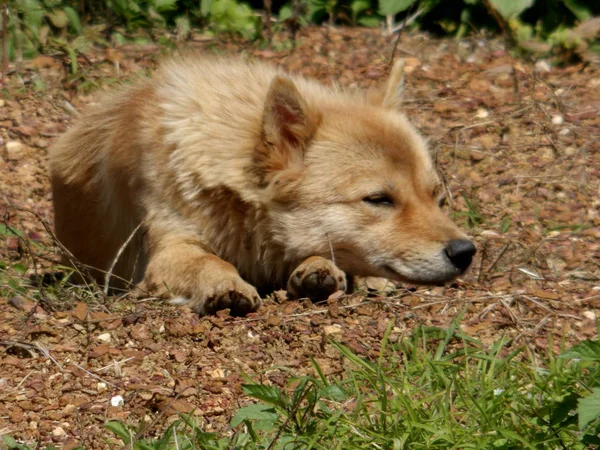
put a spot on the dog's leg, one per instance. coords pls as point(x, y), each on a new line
point(182, 268)
point(316, 278)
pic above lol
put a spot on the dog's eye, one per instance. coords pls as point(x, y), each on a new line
point(379, 200)
point(442, 200)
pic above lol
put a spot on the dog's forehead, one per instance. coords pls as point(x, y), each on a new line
point(373, 139)
point(391, 137)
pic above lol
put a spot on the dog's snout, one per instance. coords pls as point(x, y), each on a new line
point(460, 252)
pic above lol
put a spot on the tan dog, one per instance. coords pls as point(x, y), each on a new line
point(242, 178)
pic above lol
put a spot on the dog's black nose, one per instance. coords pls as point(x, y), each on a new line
point(460, 252)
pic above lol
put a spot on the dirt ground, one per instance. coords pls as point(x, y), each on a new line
point(519, 144)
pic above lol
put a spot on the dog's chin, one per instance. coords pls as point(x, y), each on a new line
point(430, 278)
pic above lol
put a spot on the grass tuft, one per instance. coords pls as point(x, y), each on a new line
point(437, 389)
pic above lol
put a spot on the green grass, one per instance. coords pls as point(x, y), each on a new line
point(437, 389)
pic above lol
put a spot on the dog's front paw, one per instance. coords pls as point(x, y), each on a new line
point(316, 278)
point(232, 293)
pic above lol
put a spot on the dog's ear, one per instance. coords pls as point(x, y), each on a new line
point(394, 86)
point(287, 125)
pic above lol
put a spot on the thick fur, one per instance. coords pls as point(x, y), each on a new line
point(243, 178)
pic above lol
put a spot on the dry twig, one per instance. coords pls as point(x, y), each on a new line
point(119, 253)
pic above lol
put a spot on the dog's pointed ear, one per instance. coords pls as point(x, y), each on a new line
point(288, 124)
point(285, 118)
point(394, 86)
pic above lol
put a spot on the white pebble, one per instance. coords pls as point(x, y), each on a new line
point(58, 432)
point(482, 113)
point(117, 400)
point(589, 315)
point(104, 337)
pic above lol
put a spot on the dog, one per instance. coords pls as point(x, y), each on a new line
point(218, 179)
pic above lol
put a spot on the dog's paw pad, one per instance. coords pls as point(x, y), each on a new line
point(316, 278)
point(319, 282)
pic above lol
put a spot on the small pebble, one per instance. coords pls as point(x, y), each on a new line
point(104, 337)
point(117, 400)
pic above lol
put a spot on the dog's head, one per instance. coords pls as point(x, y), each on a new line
point(356, 180)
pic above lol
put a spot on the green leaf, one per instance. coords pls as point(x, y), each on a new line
point(358, 6)
point(51, 3)
point(268, 394)
point(588, 408)
point(561, 411)
point(205, 7)
point(369, 21)
point(58, 18)
point(39, 85)
point(579, 9)
point(165, 5)
point(183, 26)
point(74, 21)
point(118, 38)
point(254, 412)
point(73, 57)
point(509, 434)
point(393, 7)
point(584, 351)
point(6, 231)
point(334, 392)
point(11, 443)
point(511, 8)
point(19, 268)
point(120, 429)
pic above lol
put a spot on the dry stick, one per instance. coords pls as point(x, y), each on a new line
point(268, 14)
point(587, 299)
point(500, 255)
point(93, 375)
point(22, 345)
point(504, 27)
point(330, 248)
point(294, 21)
point(592, 260)
point(102, 369)
point(4, 41)
point(483, 257)
point(516, 89)
point(44, 351)
point(18, 386)
point(399, 28)
point(559, 104)
point(119, 253)
point(72, 260)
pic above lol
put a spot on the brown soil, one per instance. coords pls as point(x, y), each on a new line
point(519, 144)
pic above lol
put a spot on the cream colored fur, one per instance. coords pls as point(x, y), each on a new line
point(245, 177)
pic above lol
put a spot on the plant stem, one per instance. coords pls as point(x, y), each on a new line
point(4, 42)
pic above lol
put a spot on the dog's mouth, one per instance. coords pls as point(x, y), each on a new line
point(424, 279)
